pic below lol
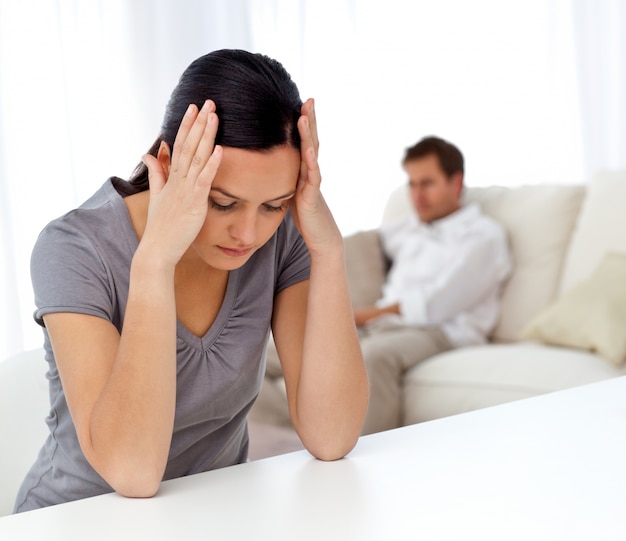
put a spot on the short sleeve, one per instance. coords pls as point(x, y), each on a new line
point(67, 273)
point(293, 262)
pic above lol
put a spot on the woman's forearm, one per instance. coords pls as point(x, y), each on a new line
point(132, 420)
point(333, 389)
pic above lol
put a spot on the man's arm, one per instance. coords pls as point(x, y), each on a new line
point(369, 313)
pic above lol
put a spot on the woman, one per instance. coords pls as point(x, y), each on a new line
point(157, 295)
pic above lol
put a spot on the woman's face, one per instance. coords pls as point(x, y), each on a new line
point(248, 200)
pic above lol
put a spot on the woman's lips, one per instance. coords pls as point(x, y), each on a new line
point(235, 252)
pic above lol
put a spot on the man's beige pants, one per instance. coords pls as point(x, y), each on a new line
point(389, 350)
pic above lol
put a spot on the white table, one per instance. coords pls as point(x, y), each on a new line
point(551, 467)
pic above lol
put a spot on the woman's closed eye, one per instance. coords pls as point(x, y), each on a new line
point(274, 208)
point(222, 207)
point(215, 205)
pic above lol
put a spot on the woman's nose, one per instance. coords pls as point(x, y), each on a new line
point(243, 229)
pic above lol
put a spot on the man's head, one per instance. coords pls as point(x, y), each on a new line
point(435, 170)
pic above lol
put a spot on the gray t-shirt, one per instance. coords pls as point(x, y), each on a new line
point(81, 263)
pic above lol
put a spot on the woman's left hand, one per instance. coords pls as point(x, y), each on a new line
point(308, 208)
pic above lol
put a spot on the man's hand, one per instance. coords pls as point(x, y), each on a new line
point(362, 316)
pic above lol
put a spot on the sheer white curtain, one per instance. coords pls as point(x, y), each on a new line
point(600, 45)
point(531, 91)
point(83, 85)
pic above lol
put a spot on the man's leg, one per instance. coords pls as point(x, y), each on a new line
point(389, 351)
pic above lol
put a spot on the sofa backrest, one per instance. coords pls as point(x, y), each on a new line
point(601, 228)
point(539, 221)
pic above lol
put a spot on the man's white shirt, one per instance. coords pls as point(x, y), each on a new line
point(448, 273)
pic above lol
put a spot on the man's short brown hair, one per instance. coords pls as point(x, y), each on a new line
point(449, 156)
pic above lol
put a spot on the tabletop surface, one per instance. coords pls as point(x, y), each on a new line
point(551, 467)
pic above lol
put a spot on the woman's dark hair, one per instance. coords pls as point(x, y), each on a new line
point(449, 156)
point(257, 103)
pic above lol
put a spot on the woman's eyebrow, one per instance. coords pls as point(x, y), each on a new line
point(286, 196)
point(231, 196)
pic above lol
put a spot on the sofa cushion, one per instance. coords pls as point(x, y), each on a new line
point(365, 267)
point(476, 377)
point(539, 221)
point(589, 316)
point(601, 228)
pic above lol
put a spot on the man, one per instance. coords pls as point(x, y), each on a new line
point(448, 265)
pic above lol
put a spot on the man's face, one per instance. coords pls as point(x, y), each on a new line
point(433, 193)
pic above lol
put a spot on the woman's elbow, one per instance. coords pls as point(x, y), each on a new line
point(331, 454)
point(133, 482)
point(331, 448)
point(136, 488)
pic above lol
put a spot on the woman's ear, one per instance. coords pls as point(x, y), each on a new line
point(164, 158)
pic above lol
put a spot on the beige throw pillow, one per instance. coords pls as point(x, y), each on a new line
point(600, 228)
point(590, 316)
point(365, 266)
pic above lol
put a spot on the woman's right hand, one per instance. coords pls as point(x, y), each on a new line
point(179, 187)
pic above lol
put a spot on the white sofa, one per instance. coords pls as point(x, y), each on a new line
point(562, 323)
point(24, 404)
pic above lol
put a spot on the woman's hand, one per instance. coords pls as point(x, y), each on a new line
point(179, 188)
point(309, 210)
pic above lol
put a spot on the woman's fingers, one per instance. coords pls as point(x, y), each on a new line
point(156, 175)
point(308, 110)
point(310, 212)
point(206, 176)
point(192, 132)
point(183, 130)
point(309, 170)
point(205, 150)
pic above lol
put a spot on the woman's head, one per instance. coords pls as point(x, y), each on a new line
point(257, 103)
